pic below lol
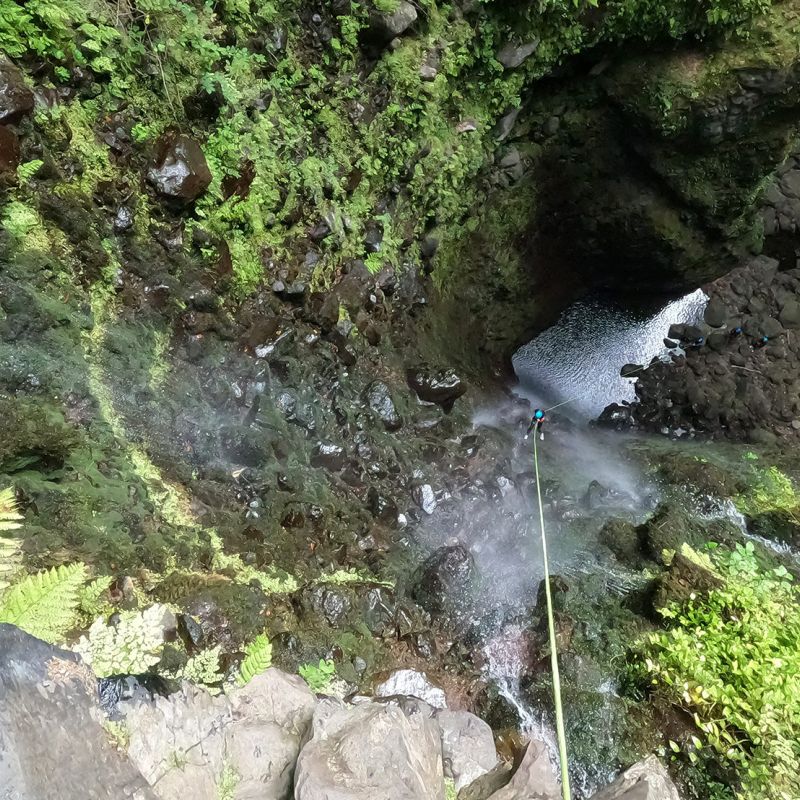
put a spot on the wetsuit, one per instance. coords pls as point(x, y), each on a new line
point(536, 423)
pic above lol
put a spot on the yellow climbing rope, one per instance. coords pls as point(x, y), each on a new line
point(562, 739)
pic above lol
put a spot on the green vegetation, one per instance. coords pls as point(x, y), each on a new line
point(771, 490)
point(730, 660)
point(295, 106)
point(319, 677)
point(257, 659)
point(46, 604)
point(131, 646)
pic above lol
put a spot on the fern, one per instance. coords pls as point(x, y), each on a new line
point(92, 599)
point(9, 546)
point(203, 668)
point(257, 658)
point(319, 677)
point(45, 605)
point(131, 647)
point(27, 170)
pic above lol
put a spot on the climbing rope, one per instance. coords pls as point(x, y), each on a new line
point(562, 739)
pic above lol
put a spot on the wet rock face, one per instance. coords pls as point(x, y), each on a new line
point(16, 99)
point(179, 170)
point(379, 399)
point(445, 577)
point(48, 728)
point(442, 387)
point(9, 150)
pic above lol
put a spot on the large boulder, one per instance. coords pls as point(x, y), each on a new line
point(647, 780)
point(387, 25)
point(534, 779)
point(185, 743)
point(467, 747)
point(410, 683)
point(16, 99)
point(442, 387)
point(179, 170)
point(444, 578)
point(52, 746)
point(372, 751)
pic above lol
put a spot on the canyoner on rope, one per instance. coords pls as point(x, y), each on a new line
point(537, 420)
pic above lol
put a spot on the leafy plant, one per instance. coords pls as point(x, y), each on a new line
point(132, 646)
point(204, 668)
point(319, 677)
point(257, 659)
point(27, 170)
point(9, 547)
point(730, 660)
point(46, 604)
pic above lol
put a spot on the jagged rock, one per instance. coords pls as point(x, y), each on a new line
point(372, 751)
point(16, 99)
point(467, 747)
point(686, 577)
point(52, 746)
point(123, 219)
point(410, 683)
point(445, 576)
point(513, 55)
point(379, 399)
point(506, 124)
point(382, 507)
point(386, 26)
point(179, 170)
point(183, 743)
point(425, 497)
point(328, 455)
point(442, 387)
point(9, 150)
point(534, 778)
point(647, 780)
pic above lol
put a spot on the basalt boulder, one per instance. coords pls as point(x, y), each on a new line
point(179, 171)
point(16, 99)
point(442, 387)
point(444, 578)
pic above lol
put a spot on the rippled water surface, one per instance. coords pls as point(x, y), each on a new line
point(581, 355)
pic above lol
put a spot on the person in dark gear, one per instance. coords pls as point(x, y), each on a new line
point(536, 423)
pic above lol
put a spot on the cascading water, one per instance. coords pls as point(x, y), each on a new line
point(590, 477)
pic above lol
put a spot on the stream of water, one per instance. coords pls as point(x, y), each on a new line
point(589, 476)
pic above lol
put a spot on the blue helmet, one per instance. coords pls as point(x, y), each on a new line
point(538, 414)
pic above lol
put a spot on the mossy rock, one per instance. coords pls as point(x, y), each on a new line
point(667, 530)
point(780, 525)
point(620, 536)
point(687, 578)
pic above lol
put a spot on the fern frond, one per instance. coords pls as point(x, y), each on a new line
point(45, 605)
point(91, 601)
point(257, 659)
point(131, 647)
point(27, 170)
point(9, 515)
